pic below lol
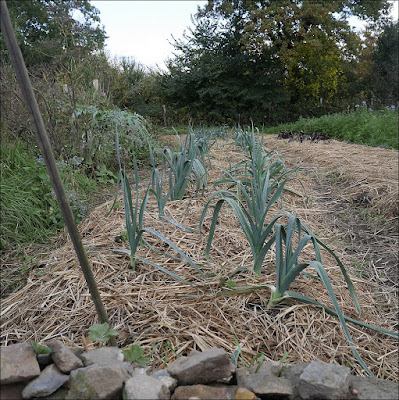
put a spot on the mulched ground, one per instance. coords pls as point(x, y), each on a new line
point(338, 183)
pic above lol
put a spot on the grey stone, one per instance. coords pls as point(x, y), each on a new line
point(164, 376)
point(142, 387)
point(161, 372)
point(46, 383)
point(369, 387)
point(265, 382)
point(324, 381)
point(78, 351)
point(292, 373)
point(18, 363)
point(169, 382)
point(60, 394)
point(64, 357)
point(97, 381)
point(102, 354)
point(207, 367)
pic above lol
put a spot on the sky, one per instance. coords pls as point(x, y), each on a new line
point(142, 29)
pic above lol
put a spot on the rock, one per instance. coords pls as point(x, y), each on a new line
point(324, 381)
point(265, 382)
point(207, 367)
point(97, 381)
point(216, 391)
point(18, 363)
point(12, 391)
point(161, 372)
point(64, 357)
point(60, 394)
point(164, 376)
point(292, 373)
point(46, 383)
point(369, 387)
point(78, 351)
point(102, 354)
point(204, 392)
point(143, 387)
point(244, 394)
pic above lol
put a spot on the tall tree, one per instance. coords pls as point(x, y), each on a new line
point(384, 71)
point(313, 38)
point(49, 28)
point(216, 79)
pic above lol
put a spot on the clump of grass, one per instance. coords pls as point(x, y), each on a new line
point(29, 208)
point(363, 126)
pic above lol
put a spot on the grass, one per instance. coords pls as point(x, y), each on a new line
point(372, 128)
point(29, 209)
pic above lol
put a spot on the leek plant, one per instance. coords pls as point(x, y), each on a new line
point(288, 269)
point(134, 217)
point(243, 138)
point(185, 167)
point(261, 188)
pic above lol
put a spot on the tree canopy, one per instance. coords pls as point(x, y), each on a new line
point(48, 28)
point(247, 57)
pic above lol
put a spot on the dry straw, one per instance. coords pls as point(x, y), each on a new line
point(150, 308)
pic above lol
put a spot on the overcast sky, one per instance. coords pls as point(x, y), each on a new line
point(142, 29)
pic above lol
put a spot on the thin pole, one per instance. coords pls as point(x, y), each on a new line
point(44, 144)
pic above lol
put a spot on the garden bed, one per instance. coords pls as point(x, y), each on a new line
point(165, 315)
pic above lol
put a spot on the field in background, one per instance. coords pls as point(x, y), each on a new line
point(363, 126)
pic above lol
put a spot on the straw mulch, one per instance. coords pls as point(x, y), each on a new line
point(150, 308)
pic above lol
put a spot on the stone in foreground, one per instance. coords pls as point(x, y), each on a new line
point(18, 363)
point(63, 357)
point(101, 355)
point(216, 392)
point(98, 381)
point(50, 380)
point(265, 382)
point(207, 367)
point(369, 387)
point(164, 376)
point(143, 387)
point(324, 381)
